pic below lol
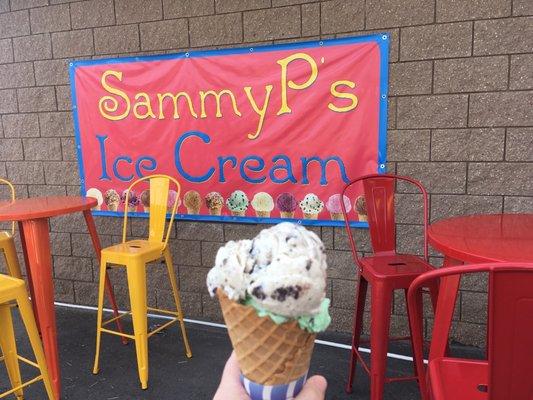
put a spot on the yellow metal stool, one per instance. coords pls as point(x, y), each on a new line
point(14, 290)
point(134, 255)
point(7, 244)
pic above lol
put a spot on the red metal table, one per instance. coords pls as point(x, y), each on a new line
point(32, 216)
point(478, 238)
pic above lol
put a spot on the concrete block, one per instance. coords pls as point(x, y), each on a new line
point(50, 19)
point(503, 36)
point(436, 41)
point(501, 109)
point(476, 74)
point(215, 30)
point(468, 144)
point(392, 13)
point(435, 111)
point(37, 99)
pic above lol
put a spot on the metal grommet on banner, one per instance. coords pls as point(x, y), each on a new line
point(384, 37)
point(71, 64)
point(251, 49)
point(321, 43)
point(383, 96)
point(382, 166)
point(187, 54)
point(299, 221)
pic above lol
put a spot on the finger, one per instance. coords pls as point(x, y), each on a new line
point(232, 370)
point(230, 384)
point(314, 389)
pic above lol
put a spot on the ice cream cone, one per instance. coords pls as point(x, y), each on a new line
point(263, 214)
point(254, 339)
point(215, 211)
point(132, 208)
point(146, 209)
point(112, 207)
point(287, 214)
point(337, 216)
point(362, 217)
point(238, 213)
point(310, 216)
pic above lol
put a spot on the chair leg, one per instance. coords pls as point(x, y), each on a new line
point(381, 304)
point(136, 271)
point(357, 328)
point(26, 312)
point(9, 348)
point(417, 326)
point(101, 290)
point(434, 294)
point(175, 292)
point(12, 261)
point(417, 343)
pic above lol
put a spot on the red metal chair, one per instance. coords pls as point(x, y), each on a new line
point(507, 374)
point(385, 271)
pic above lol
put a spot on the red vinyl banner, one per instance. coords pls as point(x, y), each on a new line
point(253, 135)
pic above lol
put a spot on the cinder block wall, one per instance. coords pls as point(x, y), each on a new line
point(460, 118)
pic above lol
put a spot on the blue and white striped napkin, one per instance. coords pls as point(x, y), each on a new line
point(277, 392)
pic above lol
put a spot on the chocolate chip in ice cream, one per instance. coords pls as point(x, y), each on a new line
point(280, 294)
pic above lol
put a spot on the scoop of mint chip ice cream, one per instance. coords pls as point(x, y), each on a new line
point(282, 271)
point(238, 201)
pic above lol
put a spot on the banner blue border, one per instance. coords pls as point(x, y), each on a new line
point(382, 40)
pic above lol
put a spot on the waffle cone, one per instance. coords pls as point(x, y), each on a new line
point(238, 213)
point(287, 214)
point(193, 210)
point(262, 213)
point(215, 211)
point(337, 216)
point(268, 354)
point(362, 217)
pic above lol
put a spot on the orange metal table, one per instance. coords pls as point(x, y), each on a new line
point(32, 216)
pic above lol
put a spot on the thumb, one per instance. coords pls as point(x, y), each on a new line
point(314, 389)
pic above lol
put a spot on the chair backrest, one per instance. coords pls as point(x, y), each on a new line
point(511, 335)
point(159, 186)
point(510, 325)
point(12, 191)
point(379, 193)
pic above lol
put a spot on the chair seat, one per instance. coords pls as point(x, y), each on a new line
point(456, 378)
point(4, 236)
point(9, 288)
point(394, 266)
point(143, 249)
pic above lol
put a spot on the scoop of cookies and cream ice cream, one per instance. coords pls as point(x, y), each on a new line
point(281, 273)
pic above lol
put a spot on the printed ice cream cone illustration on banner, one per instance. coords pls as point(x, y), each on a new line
point(263, 204)
point(311, 206)
point(192, 201)
point(272, 291)
point(96, 194)
point(214, 202)
point(237, 203)
point(360, 208)
point(133, 200)
point(112, 200)
point(171, 199)
point(334, 206)
point(145, 200)
point(286, 204)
